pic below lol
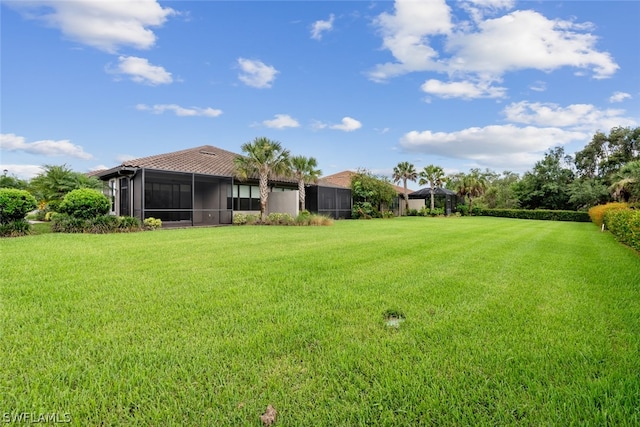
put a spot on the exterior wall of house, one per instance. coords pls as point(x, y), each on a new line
point(283, 202)
point(417, 204)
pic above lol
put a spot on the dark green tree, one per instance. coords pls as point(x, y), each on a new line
point(370, 194)
point(9, 181)
point(547, 185)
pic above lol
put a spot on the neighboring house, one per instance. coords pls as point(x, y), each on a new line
point(443, 198)
point(343, 180)
point(195, 186)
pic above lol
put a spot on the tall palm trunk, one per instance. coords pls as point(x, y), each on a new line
point(432, 199)
point(264, 194)
point(302, 194)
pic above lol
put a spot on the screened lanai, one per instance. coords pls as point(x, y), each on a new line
point(443, 198)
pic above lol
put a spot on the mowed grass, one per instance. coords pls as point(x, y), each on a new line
point(507, 322)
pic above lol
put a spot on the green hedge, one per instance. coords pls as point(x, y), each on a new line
point(541, 214)
point(624, 224)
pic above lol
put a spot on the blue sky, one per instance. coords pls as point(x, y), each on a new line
point(355, 84)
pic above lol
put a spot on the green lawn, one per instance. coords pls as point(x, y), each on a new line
point(507, 322)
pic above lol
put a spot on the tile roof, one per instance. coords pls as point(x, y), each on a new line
point(205, 160)
point(343, 179)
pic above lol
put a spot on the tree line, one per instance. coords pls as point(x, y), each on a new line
point(606, 169)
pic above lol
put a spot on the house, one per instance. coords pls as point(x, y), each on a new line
point(197, 186)
point(343, 180)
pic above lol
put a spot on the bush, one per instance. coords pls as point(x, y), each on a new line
point(129, 223)
point(15, 204)
point(388, 214)
point(64, 223)
point(624, 224)
point(597, 213)
point(276, 218)
point(412, 212)
point(102, 224)
point(539, 214)
point(363, 210)
point(19, 227)
point(85, 203)
point(463, 209)
point(245, 219)
point(152, 223)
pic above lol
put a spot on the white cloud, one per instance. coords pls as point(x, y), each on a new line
point(406, 35)
point(141, 71)
point(485, 49)
point(538, 86)
point(105, 25)
point(22, 171)
point(12, 142)
point(348, 124)
point(491, 146)
point(180, 111)
point(281, 121)
point(256, 73)
point(320, 27)
point(463, 89)
point(576, 116)
point(619, 97)
point(527, 40)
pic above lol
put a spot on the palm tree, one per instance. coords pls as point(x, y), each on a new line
point(404, 172)
point(627, 182)
point(434, 176)
point(265, 158)
point(470, 185)
point(304, 171)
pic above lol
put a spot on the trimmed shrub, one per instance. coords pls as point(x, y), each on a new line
point(624, 224)
point(276, 218)
point(245, 219)
point(539, 214)
point(597, 213)
point(15, 204)
point(152, 223)
point(85, 203)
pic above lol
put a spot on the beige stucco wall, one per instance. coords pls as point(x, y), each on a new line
point(416, 203)
point(283, 202)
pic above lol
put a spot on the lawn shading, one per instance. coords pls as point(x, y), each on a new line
point(504, 322)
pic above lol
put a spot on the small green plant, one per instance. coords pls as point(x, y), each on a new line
point(388, 214)
point(129, 223)
point(85, 203)
point(152, 223)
